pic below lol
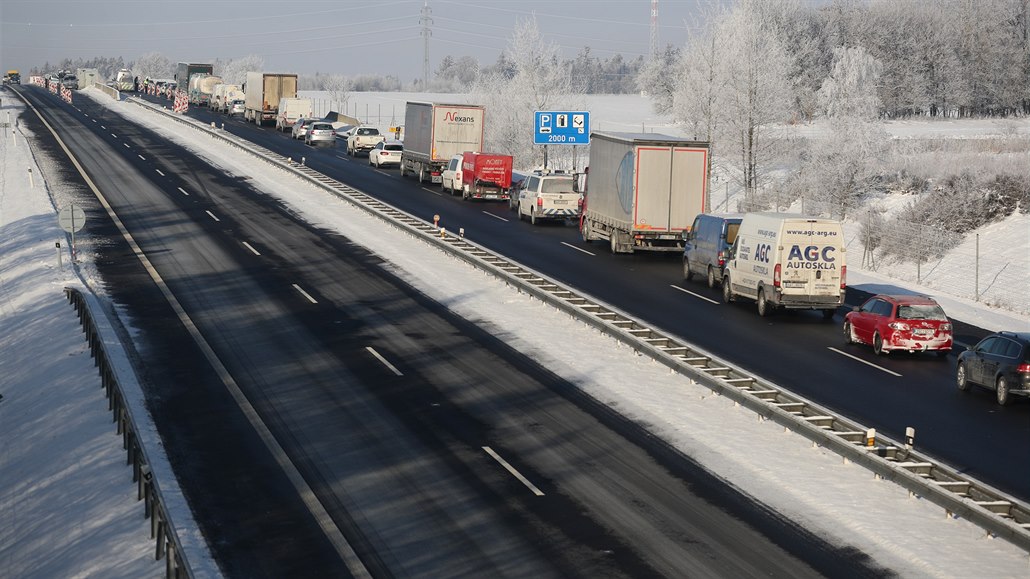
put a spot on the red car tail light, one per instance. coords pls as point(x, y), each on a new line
point(945, 327)
point(899, 326)
point(539, 202)
point(1023, 368)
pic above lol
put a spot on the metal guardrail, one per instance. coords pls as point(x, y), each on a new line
point(148, 490)
point(998, 514)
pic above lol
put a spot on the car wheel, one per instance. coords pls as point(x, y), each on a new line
point(878, 345)
point(532, 216)
point(849, 334)
point(727, 293)
point(711, 277)
point(687, 274)
point(763, 304)
point(961, 380)
point(1002, 388)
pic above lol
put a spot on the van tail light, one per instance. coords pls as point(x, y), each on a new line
point(843, 277)
point(539, 201)
point(579, 203)
point(1023, 368)
point(776, 276)
point(722, 258)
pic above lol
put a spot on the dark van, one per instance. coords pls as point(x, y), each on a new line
point(706, 245)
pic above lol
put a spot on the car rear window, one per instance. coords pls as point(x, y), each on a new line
point(556, 186)
point(321, 127)
point(366, 132)
point(394, 147)
point(921, 312)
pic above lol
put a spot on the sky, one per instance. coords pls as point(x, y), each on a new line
point(328, 36)
point(55, 529)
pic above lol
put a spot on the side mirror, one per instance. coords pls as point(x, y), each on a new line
point(855, 308)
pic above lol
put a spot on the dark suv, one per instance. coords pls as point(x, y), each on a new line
point(1000, 361)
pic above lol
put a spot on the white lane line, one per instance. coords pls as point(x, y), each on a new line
point(212, 216)
point(102, 126)
point(433, 192)
point(251, 248)
point(159, 172)
point(579, 249)
point(514, 472)
point(94, 120)
point(127, 145)
point(341, 157)
point(114, 135)
point(305, 294)
point(381, 172)
point(142, 157)
point(892, 373)
point(494, 216)
point(384, 360)
point(184, 192)
point(699, 296)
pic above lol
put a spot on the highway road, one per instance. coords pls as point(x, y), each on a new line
point(320, 412)
point(798, 350)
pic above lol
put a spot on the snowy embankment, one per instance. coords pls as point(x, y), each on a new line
point(810, 486)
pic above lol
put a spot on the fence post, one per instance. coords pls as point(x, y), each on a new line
point(976, 286)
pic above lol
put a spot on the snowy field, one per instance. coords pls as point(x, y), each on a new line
point(45, 464)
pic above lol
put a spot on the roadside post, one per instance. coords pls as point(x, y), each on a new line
point(560, 128)
point(72, 218)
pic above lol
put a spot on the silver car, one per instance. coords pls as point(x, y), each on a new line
point(237, 108)
point(300, 128)
point(320, 133)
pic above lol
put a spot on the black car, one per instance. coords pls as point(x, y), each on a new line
point(1000, 361)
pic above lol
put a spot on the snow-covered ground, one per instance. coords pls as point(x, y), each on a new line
point(42, 498)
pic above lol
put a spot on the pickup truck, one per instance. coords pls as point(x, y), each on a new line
point(363, 139)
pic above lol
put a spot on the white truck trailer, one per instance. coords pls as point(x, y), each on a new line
point(434, 132)
point(87, 77)
point(643, 190)
point(264, 90)
point(224, 94)
point(202, 88)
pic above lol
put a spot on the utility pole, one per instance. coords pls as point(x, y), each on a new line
point(426, 21)
point(654, 29)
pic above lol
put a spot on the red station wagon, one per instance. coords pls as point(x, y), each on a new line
point(907, 322)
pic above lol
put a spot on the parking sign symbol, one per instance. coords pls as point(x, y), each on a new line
point(545, 124)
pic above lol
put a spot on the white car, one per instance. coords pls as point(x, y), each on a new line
point(547, 197)
point(300, 128)
point(386, 153)
point(450, 179)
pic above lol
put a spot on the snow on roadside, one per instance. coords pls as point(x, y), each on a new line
point(841, 502)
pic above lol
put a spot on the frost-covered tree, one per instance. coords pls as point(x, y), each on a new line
point(338, 87)
point(153, 65)
point(538, 82)
point(850, 90)
point(658, 78)
point(235, 71)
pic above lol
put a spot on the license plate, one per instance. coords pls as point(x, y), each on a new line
point(560, 202)
point(923, 332)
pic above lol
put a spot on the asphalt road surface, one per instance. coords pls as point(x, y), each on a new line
point(430, 445)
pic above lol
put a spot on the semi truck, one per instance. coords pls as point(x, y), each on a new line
point(263, 91)
point(435, 132)
point(202, 88)
point(184, 70)
point(485, 175)
point(643, 190)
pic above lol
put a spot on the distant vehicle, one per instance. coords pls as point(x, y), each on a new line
point(237, 107)
point(783, 260)
point(1000, 361)
point(70, 82)
point(124, 81)
point(12, 77)
point(184, 70)
point(435, 132)
point(320, 133)
point(386, 153)
point(363, 139)
point(547, 198)
point(643, 190)
point(263, 92)
point(485, 176)
point(291, 109)
point(450, 177)
point(223, 95)
point(903, 322)
point(202, 88)
point(707, 244)
point(87, 77)
point(300, 127)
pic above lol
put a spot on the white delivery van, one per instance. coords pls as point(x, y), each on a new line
point(788, 261)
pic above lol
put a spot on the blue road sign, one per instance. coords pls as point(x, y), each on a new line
point(561, 128)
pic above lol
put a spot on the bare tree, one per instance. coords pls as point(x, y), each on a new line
point(235, 71)
point(338, 87)
point(153, 65)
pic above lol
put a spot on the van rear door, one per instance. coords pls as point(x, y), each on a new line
point(811, 258)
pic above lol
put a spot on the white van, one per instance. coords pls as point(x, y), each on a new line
point(787, 261)
point(290, 110)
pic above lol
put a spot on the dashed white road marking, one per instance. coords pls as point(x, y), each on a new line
point(114, 135)
point(184, 192)
point(495, 216)
point(433, 192)
point(142, 158)
point(159, 172)
point(305, 294)
point(891, 372)
point(699, 296)
point(251, 248)
point(384, 360)
point(514, 472)
point(127, 145)
point(212, 216)
point(579, 249)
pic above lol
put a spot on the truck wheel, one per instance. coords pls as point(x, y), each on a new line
point(687, 274)
point(532, 216)
point(584, 231)
point(727, 293)
point(613, 241)
point(421, 173)
point(465, 193)
point(763, 304)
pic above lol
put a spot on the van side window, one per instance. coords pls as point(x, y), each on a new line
point(731, 232)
